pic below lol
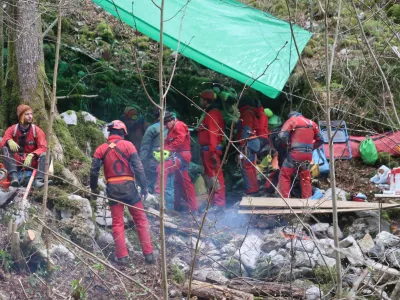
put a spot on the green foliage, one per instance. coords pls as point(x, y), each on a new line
point(177, 274)
point(104, 30)
point(323, 274)
point(6, 260)
point(98, 267)
point(78, 290)
point(394, 13)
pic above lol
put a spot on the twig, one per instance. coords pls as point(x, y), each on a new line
point(26, 296)
point(331, 152)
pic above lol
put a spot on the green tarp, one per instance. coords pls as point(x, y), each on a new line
point(226, 36)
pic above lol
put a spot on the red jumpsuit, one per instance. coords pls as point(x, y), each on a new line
point(262, 127)
point(178, 143)
point(301, 136)
point(247, 130)
point(210, 140)
point(122, 169)
point(30, 140)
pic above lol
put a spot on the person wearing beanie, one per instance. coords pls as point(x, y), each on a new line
point(211, 137)
point(136, 125)
point(177, 159)
point(150, 143)
point(24, 146)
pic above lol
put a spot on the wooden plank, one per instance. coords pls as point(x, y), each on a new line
point(306, 203)
point(386, 196)
point(297, 211)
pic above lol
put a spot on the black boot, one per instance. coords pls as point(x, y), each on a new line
point(149, 259)
point(13, 176)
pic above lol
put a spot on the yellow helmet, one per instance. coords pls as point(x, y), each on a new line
point(157, 155)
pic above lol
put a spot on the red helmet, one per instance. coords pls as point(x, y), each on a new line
point(117, 124)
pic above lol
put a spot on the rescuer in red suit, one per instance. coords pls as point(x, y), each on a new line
point(262, 128)
point(177, 158)
point(210, 140)
point(24, 145)
point(300, 136)
point(246, 133)
point(123, 170)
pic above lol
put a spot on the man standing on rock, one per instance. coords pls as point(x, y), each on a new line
point(211, 136)
point(122, 169)
point(300, 136)
point(177, 158)
point(24, 145)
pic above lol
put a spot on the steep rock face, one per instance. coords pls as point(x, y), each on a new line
point(78, 223)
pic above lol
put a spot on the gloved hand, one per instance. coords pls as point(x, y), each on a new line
point(94, 197)
point(13, 145)
point(144, 194)
point(214, 159)
point(28, 160)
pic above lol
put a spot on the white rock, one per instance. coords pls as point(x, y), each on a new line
point(88, 117)
point(249, 252)
point(347, 242)
point(320, 227)
point(366, 243)
point(330, 234)
point(303, 259)
point(228, 249)
point(70, 117)
point(326, 247)
point(387, 239)
point(321, 259)
point(176, 242)
point(354, 255)
point(180, 263)
point(105, 239)
point(314, 293)
point(61, 250)
point(301, 245)
point(201, 244)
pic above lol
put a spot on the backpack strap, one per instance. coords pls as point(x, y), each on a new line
point(113, 145)
point(33, 130)
point(15, 131)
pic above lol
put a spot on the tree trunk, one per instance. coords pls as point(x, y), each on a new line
point(26, 76)
point(204, 290)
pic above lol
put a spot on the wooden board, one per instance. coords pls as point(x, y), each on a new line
point(306, 203)
point(278, 211)
point(386, 196)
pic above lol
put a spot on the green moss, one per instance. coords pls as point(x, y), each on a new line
point(88, 135)
point(71, 151)
point(308, 52)
point(58, 167)
point(59, 199)
point(177, 274)
point(104, 30)
point(323, 274)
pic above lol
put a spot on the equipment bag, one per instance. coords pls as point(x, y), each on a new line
point(320, 160)
point(368, 151)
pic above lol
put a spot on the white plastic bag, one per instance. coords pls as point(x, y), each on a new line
point(382, 176)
